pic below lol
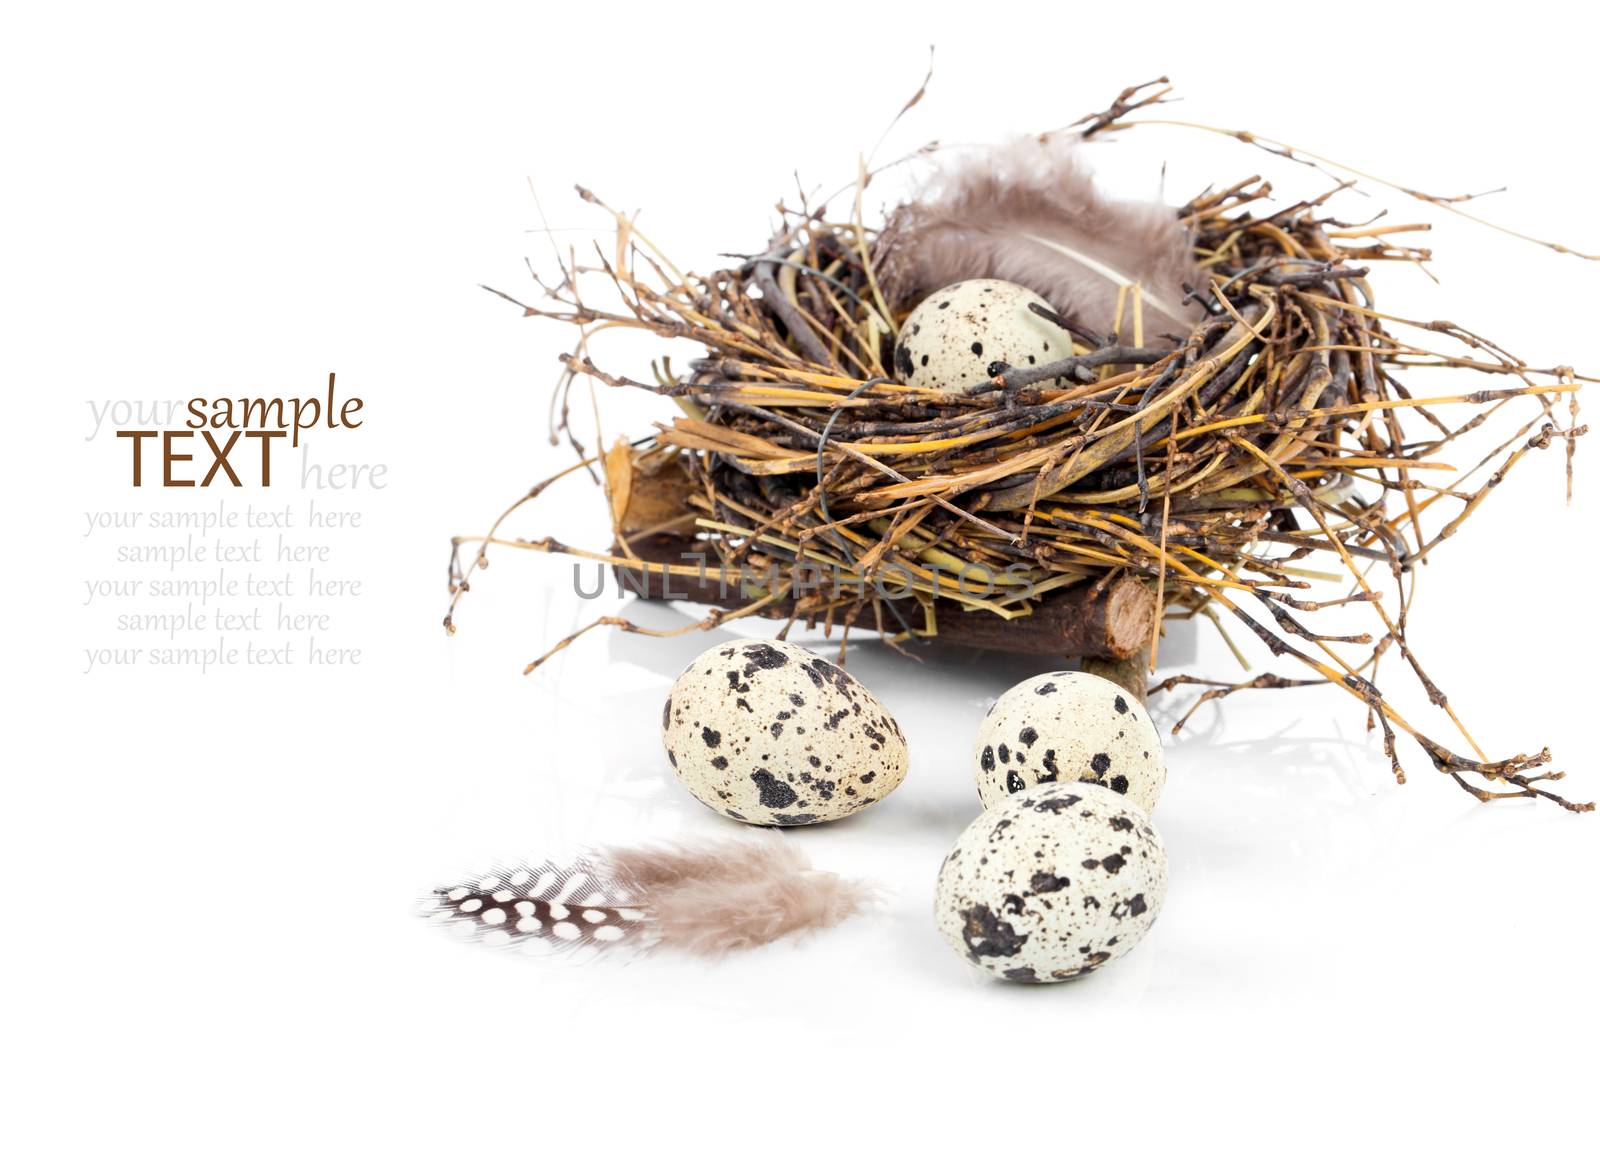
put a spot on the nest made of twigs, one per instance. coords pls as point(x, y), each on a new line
point(1207, 466)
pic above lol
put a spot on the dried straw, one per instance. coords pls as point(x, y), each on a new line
point(1276, 430)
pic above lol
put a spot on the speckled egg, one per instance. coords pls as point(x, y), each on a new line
point(1069, 726)
point(1052, 883)
point(768, 733)
point(964, 334)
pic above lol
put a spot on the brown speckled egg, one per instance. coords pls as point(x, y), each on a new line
point(964, 334)
point(1069, 726)
point(1052, 883)
point(768, 733)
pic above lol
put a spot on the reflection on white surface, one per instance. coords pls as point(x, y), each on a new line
point(1297, 862)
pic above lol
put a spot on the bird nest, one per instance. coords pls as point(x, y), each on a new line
point(1067, 507)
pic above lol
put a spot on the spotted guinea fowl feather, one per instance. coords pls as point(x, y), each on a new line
point(575, 904)
point(708, 898)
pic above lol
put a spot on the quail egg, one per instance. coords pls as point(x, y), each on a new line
point(1069, 726)
point(766, 732)
point(1052, 883)
point(967, 333)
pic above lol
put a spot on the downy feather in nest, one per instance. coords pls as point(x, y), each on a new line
point(1029, 212)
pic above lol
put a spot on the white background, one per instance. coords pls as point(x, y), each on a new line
point(209, 877)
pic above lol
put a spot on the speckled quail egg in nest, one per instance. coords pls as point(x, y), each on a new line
point(1069, 726)
point(766, 732)
point(1052, 883)
point(967, 333)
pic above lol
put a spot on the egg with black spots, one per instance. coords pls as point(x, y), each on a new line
point(1051, 883)
point(968, 333)
point(768, 733)
point(1069, 726)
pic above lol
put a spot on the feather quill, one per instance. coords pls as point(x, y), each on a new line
point(707, 898)
point(1029, 212)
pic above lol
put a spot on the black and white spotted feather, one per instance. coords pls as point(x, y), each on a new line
point(563, 905)
point(708, 898)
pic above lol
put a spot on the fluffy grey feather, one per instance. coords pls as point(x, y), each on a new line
point(1029, 212)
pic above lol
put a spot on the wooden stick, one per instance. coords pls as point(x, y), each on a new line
point(1129, 671)
point(1110, 620)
